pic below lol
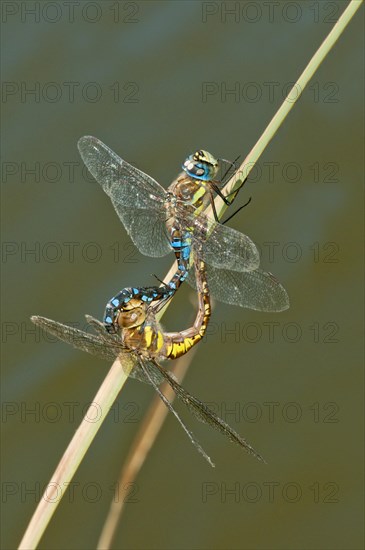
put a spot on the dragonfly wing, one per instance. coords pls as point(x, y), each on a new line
point(258, 290)
point(223, 247)
point(147, 229)
point(78, 338)
point(152, 369)
point(205, 415)
point(101, 345)
point(137, 198)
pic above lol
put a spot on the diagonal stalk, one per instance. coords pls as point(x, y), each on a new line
point(75, 452)
point(117, 376)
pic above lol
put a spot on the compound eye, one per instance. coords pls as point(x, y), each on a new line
point(132, 318)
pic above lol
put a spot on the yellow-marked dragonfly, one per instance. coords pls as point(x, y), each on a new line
point(140, 345)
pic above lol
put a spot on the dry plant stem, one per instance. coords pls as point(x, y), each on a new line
point(74, 453)
point(288, 103)
point(116, 377)
point(143, 442)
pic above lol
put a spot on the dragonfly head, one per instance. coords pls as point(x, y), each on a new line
point(201, 165)
point(132, 315)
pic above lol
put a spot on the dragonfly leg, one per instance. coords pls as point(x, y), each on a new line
point(212, 203)
point(233, 194)
point(236, 212)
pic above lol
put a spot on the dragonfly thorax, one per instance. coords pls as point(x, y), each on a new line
point(201, 165)
point(148, 340)
point(188, 191)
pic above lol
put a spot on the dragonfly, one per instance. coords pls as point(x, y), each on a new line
point(141, 345)
point(139, 330)
point(160, 221)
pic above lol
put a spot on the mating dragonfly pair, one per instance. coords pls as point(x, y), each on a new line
point(159, 221)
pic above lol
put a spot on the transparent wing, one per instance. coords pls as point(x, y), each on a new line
point(106, 347)
point(205, 415)
point(103, 345)
point(147, 229)
point(137, 198)
point(150, 369)
point(78, 338)
point(222, 247)
point(258, 290)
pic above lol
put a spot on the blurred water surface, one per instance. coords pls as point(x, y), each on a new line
point(155, 81)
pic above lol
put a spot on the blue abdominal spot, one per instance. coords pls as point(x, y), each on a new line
point(186, 253)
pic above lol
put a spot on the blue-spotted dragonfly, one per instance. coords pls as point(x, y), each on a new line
point(140, 345)
point(160, 221)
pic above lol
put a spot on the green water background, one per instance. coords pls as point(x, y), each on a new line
point(152, 81)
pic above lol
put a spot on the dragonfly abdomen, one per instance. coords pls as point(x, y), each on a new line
point(179, 343)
